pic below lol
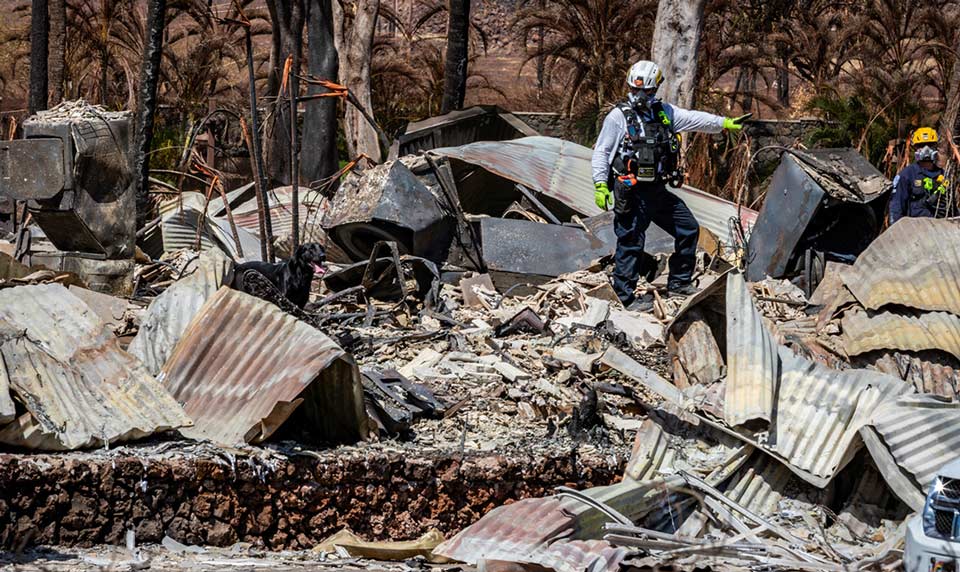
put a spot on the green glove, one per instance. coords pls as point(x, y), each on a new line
point(735, 124)
point(602, 195)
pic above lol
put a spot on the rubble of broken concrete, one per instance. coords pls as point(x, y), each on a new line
point(465, 366)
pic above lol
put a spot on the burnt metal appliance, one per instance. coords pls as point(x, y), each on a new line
point(822, 204)
point(73, 171)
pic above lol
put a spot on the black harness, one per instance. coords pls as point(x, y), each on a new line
point(650, 151)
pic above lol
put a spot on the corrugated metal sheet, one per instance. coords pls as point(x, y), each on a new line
point(759, 485)
point(928, 371)
point(66, 368)
point(651, 453)
point(281, 211)
point(819, 410)
point(561, 170)
point(243, 367)
point(478, 123)
point(172, 311)
point(752, 361)
point(531, 531)
point(179, 229)
point(863, 332)
point(915, 263)
point(922, 433)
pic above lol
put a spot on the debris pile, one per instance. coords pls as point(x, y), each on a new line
point(467, 310)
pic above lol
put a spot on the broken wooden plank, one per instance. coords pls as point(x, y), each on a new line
point(629, 367)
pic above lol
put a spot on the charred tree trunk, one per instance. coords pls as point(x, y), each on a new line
point(676, 41)
point(320, 115)
point(39, 28)
point(783, 82)
point(287, 22)
point(149, 80)
point(540, 57)
point(104, 64)
point(58, 48)
point(455, 64)
point(355, 48)
point(948, 121)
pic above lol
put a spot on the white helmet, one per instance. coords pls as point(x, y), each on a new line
point(645, 75)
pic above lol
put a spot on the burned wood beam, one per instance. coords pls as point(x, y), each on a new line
point(537, 204)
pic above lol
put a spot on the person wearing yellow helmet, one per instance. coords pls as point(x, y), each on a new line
point(920, 189)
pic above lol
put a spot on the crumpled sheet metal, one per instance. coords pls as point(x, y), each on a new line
point(915, 263)
point(531, 531)
point(759, 485)
point(561, 170)
point(651, 452)
point(172, 311)
point(819, 411)
point(179, 229)
point(922, 433)
point(243, 367)
point(928, 371)
point(67, 370)
point(864, 332)
point(752, 361)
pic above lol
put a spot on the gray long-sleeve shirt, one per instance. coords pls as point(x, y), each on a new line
point(615, 128)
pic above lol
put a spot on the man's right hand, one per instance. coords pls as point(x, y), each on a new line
point(602, 195)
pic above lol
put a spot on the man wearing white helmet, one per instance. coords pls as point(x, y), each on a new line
point(636, 154)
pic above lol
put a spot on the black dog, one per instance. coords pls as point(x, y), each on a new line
point(292, 278)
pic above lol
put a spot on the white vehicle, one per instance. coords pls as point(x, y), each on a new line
point(933, 536)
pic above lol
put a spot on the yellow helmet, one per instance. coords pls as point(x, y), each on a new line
point(924, 135)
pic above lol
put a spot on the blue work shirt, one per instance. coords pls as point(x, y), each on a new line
point(909, 195)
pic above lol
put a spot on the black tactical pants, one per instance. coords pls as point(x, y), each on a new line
point(635, 208)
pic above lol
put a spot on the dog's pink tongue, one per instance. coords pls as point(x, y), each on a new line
point(318, 270)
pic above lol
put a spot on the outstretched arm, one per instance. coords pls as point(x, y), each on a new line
point(689, 120)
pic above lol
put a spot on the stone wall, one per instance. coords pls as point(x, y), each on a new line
point(291, 504)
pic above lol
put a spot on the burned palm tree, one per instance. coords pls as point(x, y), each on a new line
point(588, 45)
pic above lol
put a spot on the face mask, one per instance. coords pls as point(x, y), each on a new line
point(641, 99)
point(926, 153)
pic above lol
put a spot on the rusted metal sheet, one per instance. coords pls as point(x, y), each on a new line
point(243, 367)
point(179, 221)
point(531, 531)
point(914, 263)
point(698, 359)
point(478, 123)
point(172, 311)
point(922, 433)
point(77, 387)
point(928, 371)
point(561, 171)
point(863, 332)
point(752, 361)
